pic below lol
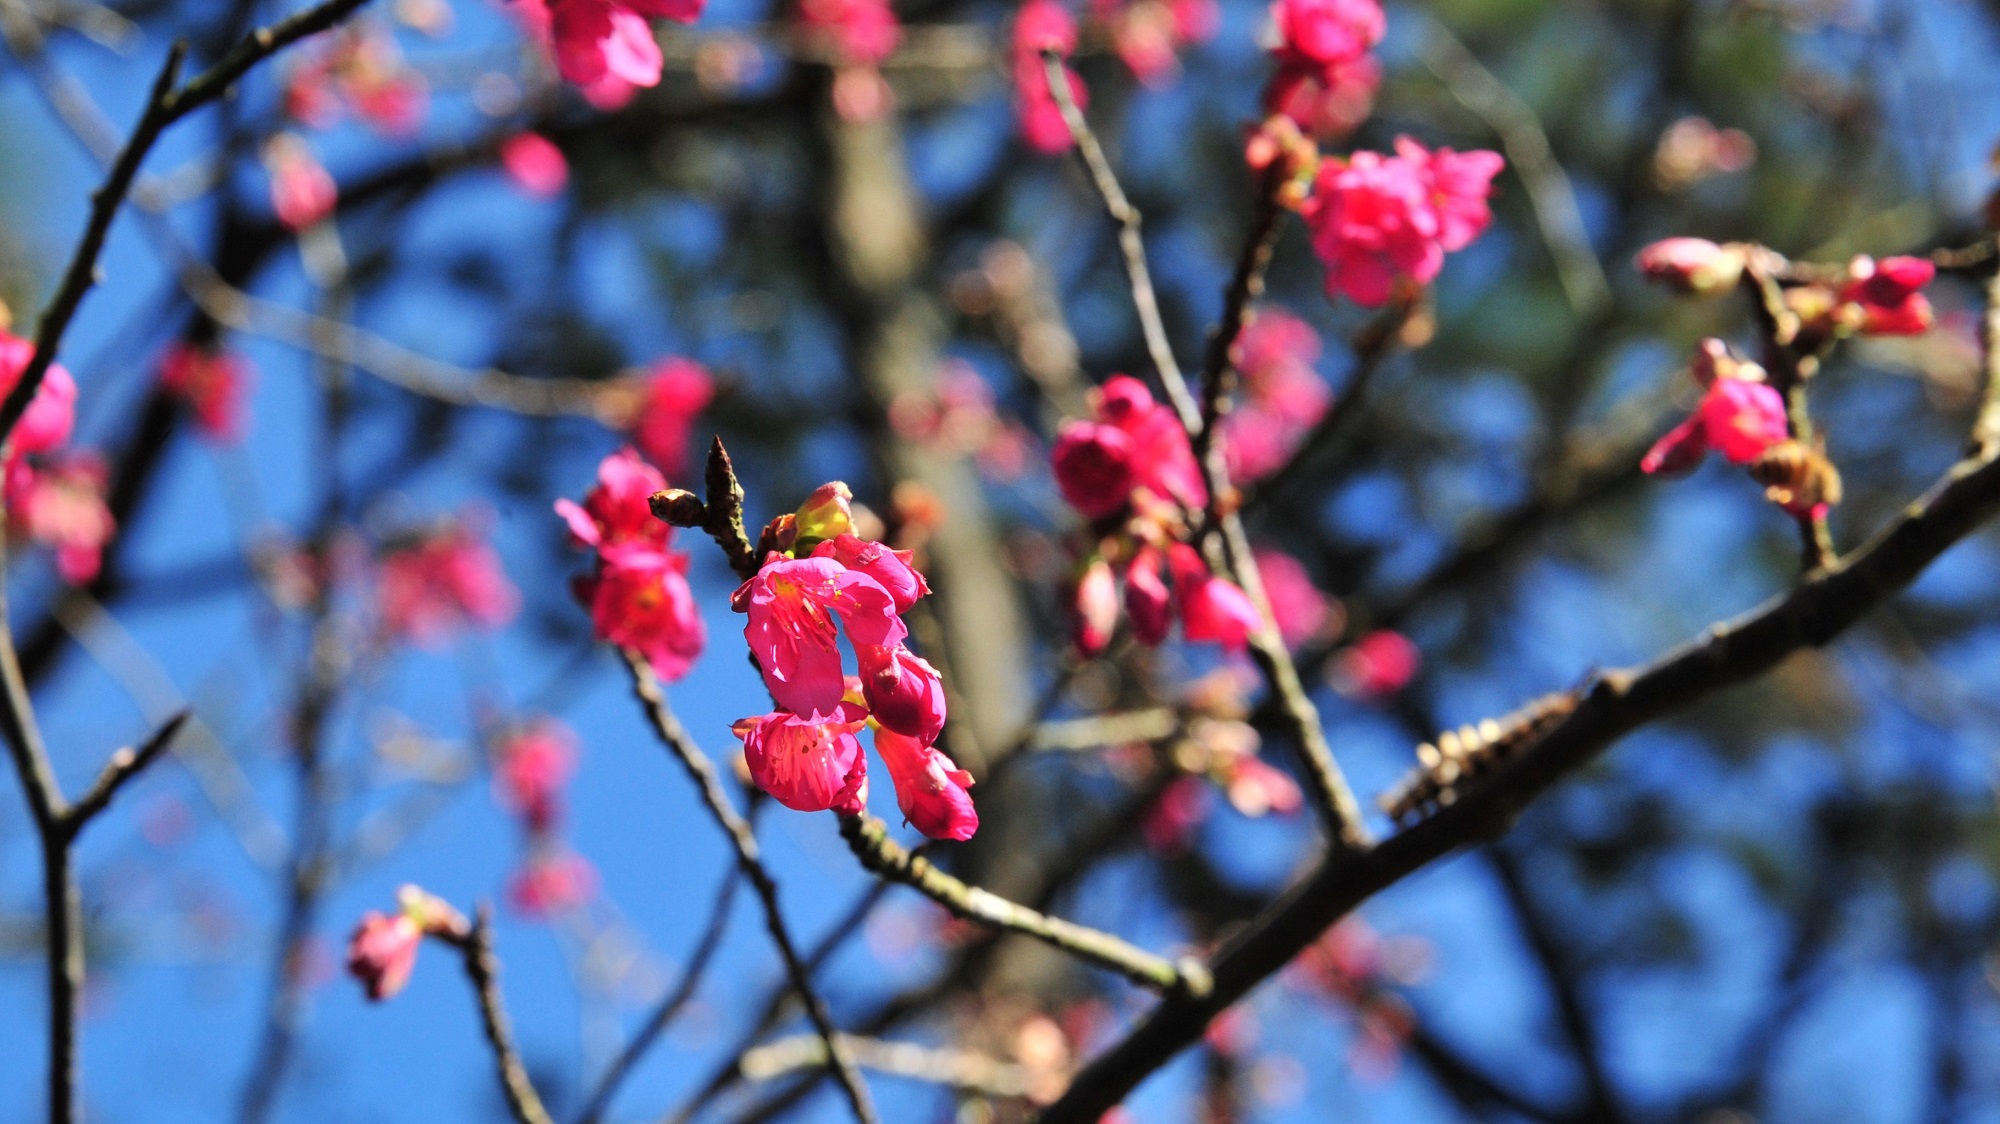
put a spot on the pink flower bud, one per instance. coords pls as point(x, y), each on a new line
point(930, 791)
point(1093, 467)
point(904, 692)
point(534, 163)
point(1146, 599)
point(1380, 663)
point(382, 953)
point(1692, 265)
point(1212, 609)
point(828, 512)
point(1094, 612)
point(1887, 295)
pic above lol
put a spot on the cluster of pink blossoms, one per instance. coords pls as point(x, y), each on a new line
point(1044, 25)
point(1131, 472)
point(357, 67)
point(805, 753)
point(638, 595)
point(441, 581)
point(1383, 221)
point(1282, 396)
point(54, 496)
point(213, 382)
point(1874, 298)
point(383, 950)
point(605, 47)
point(531, 764)
point(1326, 78)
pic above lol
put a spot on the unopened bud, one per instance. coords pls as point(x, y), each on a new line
point(1692, 265)
point(679, 507)
point(1712, 360)
point(827, 513)
point(435, 916)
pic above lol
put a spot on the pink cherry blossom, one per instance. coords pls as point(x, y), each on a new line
point(1093, 467)
point(1255, 787)
point(213, 382)
point(677, 391)
point(596, 39)
point(51, 412)
point(640, 599)
point(1043, 24)
point(302, 193)
point(891, 569)
point(1317, 34)
point(1283, 396)
point(1888, 295)
point(615, 516)
point(1458, 184)
point(930, 790)
point(1212, 609)
point(535, 163)
point(61, 505)
point(552, 880)
point(904, 692)
point(531, 765)
point(1147, 601)
point(1162, 460)
point(805, 764)
point(1296, 603)
point(1691, 265)
point(444, 581)
point(383, 952)
point(1094, 611)
point(792, 605)
point(1379, 664)
point(1737, 417)
point(1326, 102)
point(862, 32)
point(1380, 220)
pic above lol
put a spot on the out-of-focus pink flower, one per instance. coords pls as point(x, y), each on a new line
point(805, 764)
point(1296, 603)
point(1162, 460)
point(1147, 601)
point(677, 391)
point(598, 38)
point(904, 692)
point(615, 517)
point(1093, 467)
point(1377, 220)
point(551, 880)
point(792, 604)
point(51, 412)
point(535, 163)
point(444, 581)
point(862, 32)
point(1379, 664)
point(930, 790)
point(1044, 25)
point(1692, 265)
point(1094, 611)
point(1320, 34)
point(1255, 788)
point(361, 65)
point(302, 193)
point(1327, 103)
point(1737, 417)
point(1283, 396)
point(640, 599)
point(61, 505)
point(1148, 34)
point(891, 569)
point(1169, 824)
point(1212, 609)
point(213, 382)
point(383, 952)
point(531, 765)
point(1887, 296)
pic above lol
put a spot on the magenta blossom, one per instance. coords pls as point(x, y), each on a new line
point(1737, 417)
point(446, 580)
point(904, 692)
point(212, 382)
point(615, 516)
point(1297, 605)
point(641, 600)
point(1147, 601)
point(930, 790)
point(677, 391)
point(1094, 613)
point(891, 569)
point(1044, 24)
point(531, 765)
point(383, 952)
point(51, 412)
point(808, 765)
point(534, 163)
point(792, 604)
point(1378, 221)
point(553, 880)
point(1212, 609)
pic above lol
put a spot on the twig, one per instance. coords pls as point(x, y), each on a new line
point(1246, 284)
point(703, 773)
point(720, 516)
point(1370, 347)
point(1986, 427)
point(958, 1069)
point(1527, 145)
point(1129, 242)
point(670, 1007)
point(164, 106)
point(869, 839)
point(482, 967)
point(1812, 614)
point(1096, 731)
point(1789, 370)
point(122, 767)
point(1331, 794)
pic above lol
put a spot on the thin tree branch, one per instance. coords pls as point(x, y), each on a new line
point(1811, 615)
point(122, 767)
point(482, 967)
point(869, 838)
point(164, 106)
point(958, 1069)
point(702, 771)
point(670, 1007)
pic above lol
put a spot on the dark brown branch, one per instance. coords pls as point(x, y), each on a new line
point(869, 838)
point(122, 767)
point(482, 967)
point(1732, 652)
point(702, 771)
point(164, 106)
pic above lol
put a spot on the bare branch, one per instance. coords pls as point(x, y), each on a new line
point(482, 967)
point(122, 767)
point(959, 1069)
